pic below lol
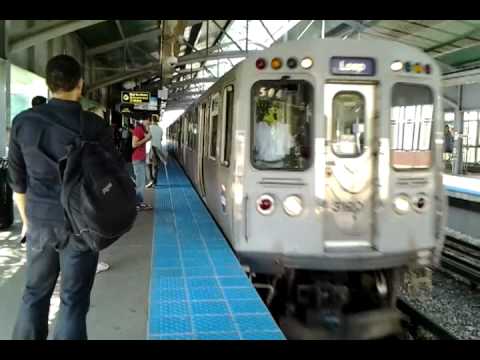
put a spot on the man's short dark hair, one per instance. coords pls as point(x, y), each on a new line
point(63, 73)
point(38, 100)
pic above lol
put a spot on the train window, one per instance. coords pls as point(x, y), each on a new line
point(282, 124)
point(411, 118)
point(195, 128)
point(228, 116)
point(348, 123)
point(191, 130)
point(214, 114)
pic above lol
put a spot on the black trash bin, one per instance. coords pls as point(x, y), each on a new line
point(6, 197)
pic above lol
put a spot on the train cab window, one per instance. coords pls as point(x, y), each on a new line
point(214, 114)
point(411, 119)
point(348, 124)
point(282, 124)
point(228, 116)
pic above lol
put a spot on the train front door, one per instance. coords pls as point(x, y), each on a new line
point(350, 166)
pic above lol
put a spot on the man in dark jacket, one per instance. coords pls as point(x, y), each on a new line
point(35, 147)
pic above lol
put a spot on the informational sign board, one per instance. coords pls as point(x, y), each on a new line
point(152, 105)
point(135, 97)
point(352, 66)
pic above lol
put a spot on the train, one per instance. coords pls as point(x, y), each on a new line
point(321, 162)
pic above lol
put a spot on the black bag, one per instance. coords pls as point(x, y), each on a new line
point(97, 193)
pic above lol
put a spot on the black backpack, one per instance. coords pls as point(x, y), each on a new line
point(97, 193)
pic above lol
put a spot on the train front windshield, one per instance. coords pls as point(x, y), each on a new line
point(282, 124)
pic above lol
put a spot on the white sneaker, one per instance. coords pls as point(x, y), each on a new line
point(102, 266)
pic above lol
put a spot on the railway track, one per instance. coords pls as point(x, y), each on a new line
point(462, 258)
point(417, 319)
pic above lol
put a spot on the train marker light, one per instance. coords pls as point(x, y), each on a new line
point(396, 66)
point(292, 63)
point(306, 63)
point(401, 204)
point(276, 63)
point(293, 205)
point(260, 64)
point(428, 69)
point(407, 67)
point(265, 204)
point(418, 68)
point(420, 202)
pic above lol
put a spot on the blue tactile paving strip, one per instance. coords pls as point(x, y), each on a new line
point(198, 290)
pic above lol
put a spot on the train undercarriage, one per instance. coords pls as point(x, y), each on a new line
point(333, 305)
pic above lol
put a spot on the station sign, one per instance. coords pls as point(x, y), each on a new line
point(135, 97)
point(352, 66)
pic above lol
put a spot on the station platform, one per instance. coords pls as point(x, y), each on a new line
point(198, 289)
point(462, 187)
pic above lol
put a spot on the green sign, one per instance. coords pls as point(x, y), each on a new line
point(135, 97)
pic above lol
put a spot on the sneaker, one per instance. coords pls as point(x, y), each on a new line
point(102, 266)
point(144, 206)
point(149, 185)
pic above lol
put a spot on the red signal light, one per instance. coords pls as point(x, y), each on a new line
point(260, 64)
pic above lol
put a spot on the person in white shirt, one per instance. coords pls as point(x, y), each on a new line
point(273, 140)
point(155, 153)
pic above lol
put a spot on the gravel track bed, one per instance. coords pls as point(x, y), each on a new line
point(451, 303)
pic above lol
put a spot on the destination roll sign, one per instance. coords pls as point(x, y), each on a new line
point(135, 97)
point(352, 66)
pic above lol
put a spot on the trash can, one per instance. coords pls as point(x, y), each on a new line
point(6, 197)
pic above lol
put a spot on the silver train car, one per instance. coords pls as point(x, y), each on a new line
point(321, 162)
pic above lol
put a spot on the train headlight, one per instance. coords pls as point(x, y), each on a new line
point(293, 205)
point(401, 203)
point(265, 204)
point(306, 63)
point(396, 66)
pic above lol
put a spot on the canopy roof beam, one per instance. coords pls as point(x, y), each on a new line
point(40, 33)
point(202, 56)
point(116, 44)
point(123, 76)
point(192, 81)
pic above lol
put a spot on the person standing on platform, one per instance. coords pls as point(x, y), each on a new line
point(38, 140)
point(38, 100)
point(155, 151)
point(139, 157)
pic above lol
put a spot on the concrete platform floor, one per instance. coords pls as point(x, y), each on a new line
point(119, 300)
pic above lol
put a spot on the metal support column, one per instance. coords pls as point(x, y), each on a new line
point(458, 164)
point(246, 37)
point(4, 87)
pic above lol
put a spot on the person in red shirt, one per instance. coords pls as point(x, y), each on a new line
point(139, 157)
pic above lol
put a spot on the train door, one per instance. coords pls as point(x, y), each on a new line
point(211, 159)
point(202, 149)
point(185, 121)
point(350, 166)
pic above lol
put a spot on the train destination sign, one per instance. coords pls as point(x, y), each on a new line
point(352, 66)
point(136, 97)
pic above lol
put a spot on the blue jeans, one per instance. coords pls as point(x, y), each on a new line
point(44, 264)
point(139, 168)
